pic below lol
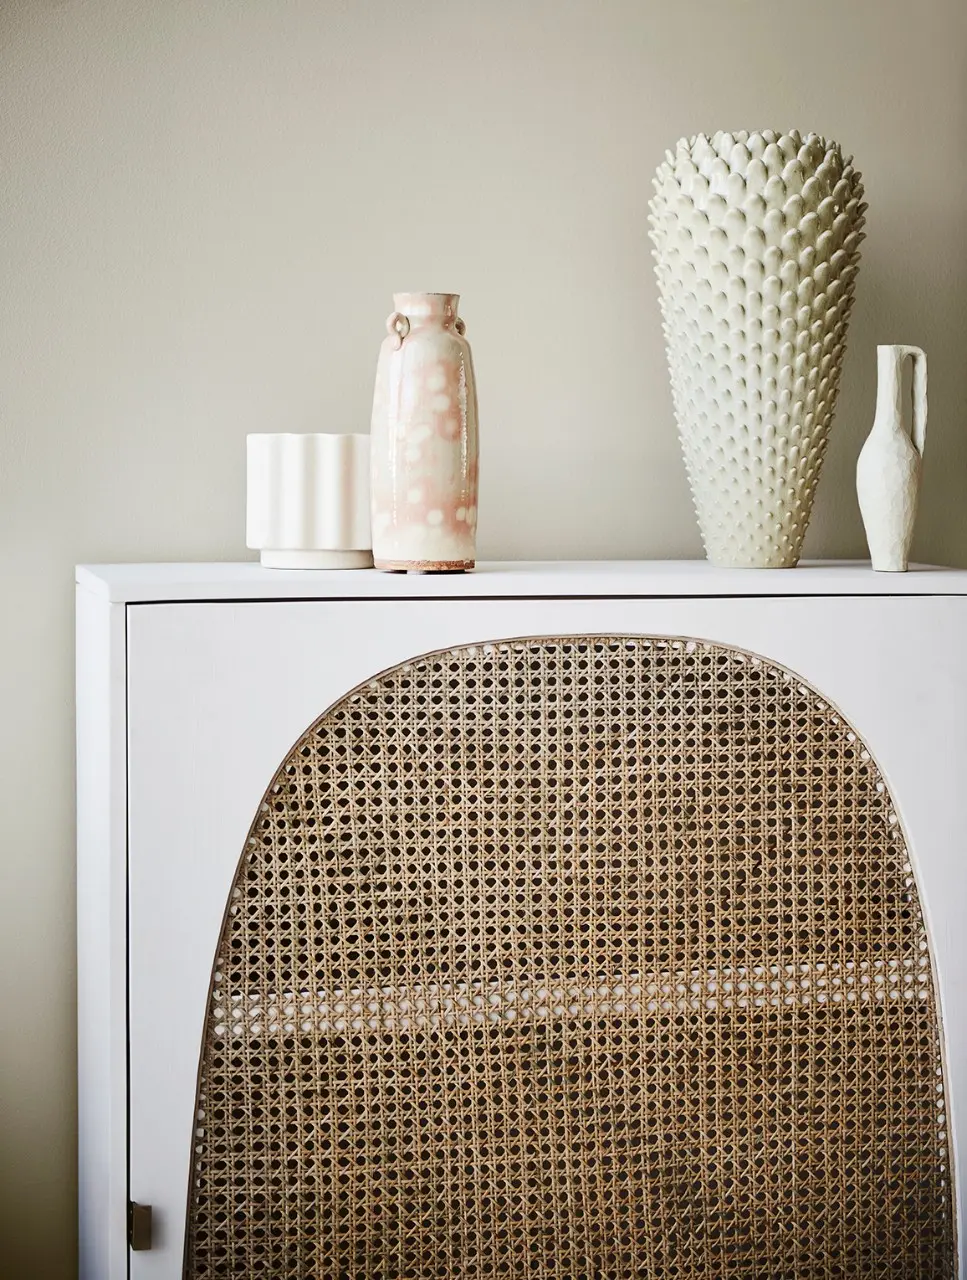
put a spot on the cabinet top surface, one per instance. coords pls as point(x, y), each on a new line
point(157, 583)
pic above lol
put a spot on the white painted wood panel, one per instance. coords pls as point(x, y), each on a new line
point(218, 693)
point(101, 939)
point(134, 583)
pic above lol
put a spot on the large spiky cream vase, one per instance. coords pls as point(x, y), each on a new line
point(757, 241)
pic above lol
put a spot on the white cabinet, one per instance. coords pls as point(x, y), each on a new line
point(827, 706)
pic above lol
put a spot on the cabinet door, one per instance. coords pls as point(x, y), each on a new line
point(219, 693)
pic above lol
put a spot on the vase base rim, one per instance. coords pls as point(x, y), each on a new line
point(425, 566)
point(727, 564)
point(315, 559)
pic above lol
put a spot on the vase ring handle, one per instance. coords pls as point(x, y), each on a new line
point(397, 326)
point(919, 432)
point(460, 327)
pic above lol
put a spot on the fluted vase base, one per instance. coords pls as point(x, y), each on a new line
point(316, 559)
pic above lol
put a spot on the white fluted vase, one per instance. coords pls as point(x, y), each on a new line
point(308, 500)
point(757, 241)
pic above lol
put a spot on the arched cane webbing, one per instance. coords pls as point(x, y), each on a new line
point(574, 958)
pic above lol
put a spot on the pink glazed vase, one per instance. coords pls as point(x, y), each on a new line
point(424, 440)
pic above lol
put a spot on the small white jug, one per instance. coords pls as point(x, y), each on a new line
point(888, 468)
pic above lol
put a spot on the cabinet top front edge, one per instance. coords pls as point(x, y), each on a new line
point(161, 583)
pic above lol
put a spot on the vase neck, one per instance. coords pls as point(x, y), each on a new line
point(889, 387)
point(428, 308)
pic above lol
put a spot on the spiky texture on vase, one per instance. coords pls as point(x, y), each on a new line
point(757, 241)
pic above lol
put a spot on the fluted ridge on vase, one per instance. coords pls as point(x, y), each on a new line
point(757, 241)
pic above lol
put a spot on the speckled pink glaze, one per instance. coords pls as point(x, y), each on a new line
point(424, 439)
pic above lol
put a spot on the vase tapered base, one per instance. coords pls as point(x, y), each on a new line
point(744, 564)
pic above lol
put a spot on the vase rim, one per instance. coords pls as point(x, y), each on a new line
point(416, 305)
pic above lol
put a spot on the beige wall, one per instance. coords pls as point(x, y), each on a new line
point(205, 205)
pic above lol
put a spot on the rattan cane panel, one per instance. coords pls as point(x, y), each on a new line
point(575, 958)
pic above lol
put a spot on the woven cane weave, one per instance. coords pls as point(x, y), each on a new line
point(578, 958)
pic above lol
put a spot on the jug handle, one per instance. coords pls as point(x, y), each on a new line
point(397, 326)
point(919, 432)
